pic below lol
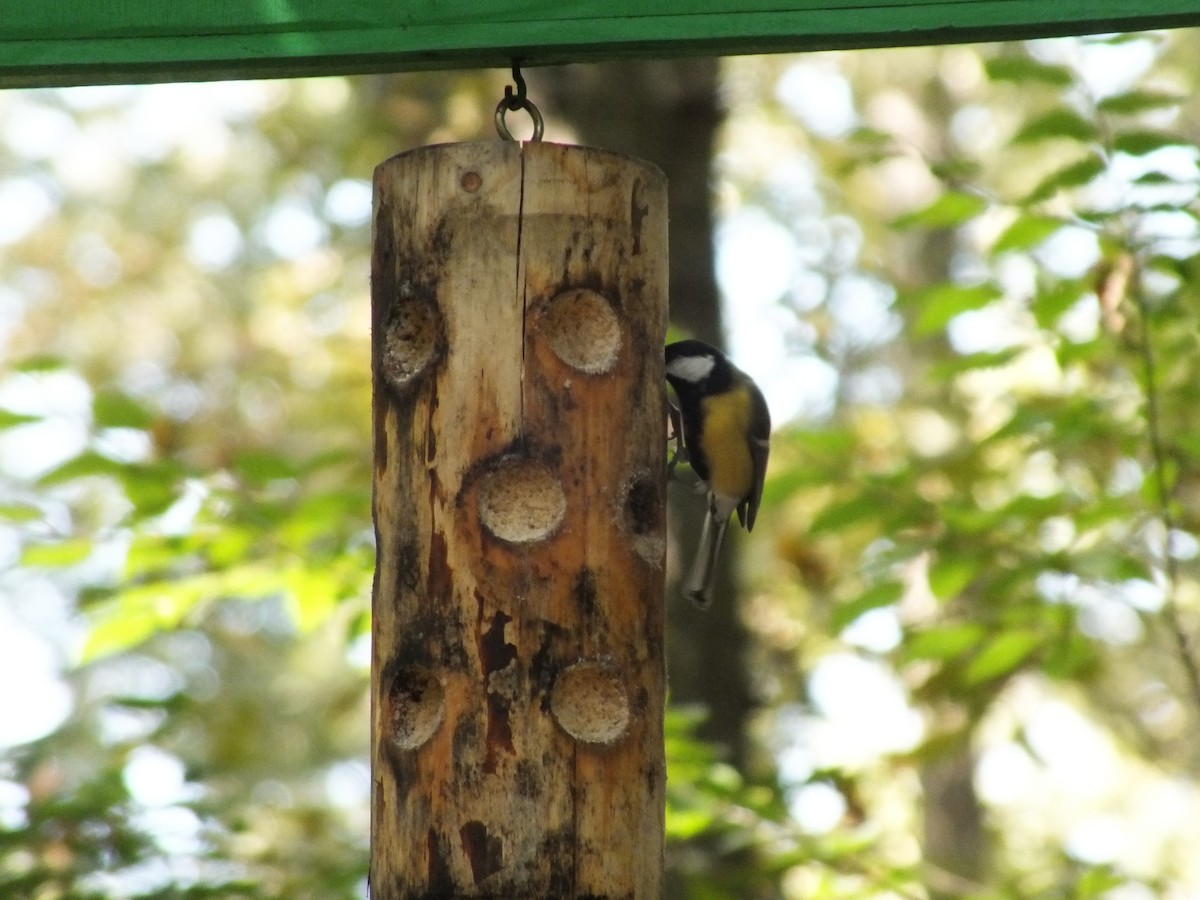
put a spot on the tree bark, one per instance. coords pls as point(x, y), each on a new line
point(519, 309)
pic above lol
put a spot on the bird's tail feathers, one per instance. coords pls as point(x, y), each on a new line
point(703, 574)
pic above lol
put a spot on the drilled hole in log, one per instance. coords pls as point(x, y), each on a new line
point(582, 330)
point(589, 702)
point(416, 705)
point(410, 340)
point(642, 519)
point(521, 501)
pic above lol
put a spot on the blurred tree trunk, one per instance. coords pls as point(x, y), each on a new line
point(955, 842)
point(666, 112)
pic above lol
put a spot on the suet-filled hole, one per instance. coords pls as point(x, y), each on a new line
point(521, 501)
point(589, 702)
point(415, 706)
point(410, 340)
point(642, 519)
point(583, 330)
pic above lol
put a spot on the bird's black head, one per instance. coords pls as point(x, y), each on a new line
point(696, 367)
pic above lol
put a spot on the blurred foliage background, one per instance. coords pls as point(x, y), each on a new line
point(960, 661)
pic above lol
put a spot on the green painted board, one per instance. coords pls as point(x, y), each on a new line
point(59, 42)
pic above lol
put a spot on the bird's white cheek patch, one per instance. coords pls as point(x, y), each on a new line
point(691, 368)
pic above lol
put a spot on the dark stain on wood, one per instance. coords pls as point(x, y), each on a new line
point(585, 594)
point(638, 210)
point(495, 654)
point(484, 851)
point(440, 879)
point(439, 582)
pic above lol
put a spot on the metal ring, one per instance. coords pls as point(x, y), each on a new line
point(518, 102)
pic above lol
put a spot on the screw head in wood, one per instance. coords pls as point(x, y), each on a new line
point(471, 182)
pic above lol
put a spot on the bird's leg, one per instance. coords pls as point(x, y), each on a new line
point(680, 453)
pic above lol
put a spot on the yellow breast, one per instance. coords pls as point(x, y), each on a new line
point(725, 444)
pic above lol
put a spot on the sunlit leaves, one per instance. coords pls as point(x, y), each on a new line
point(1073, 175)
point(1026, 232)
point(1015, 535)
point(843, 514)
point(1001, 654)
point(1024, 69)
point(1140, 143)
point(1138, 101)
point(113, 409)
point(878, 595)
point(261, 466)
point(950, 575)
point(151, 487)
point(949, 209)
point(88, 463)
point(1049, 305)
point(944, 641)
point(936, 305)
point(10, 419)
point(1061, 123)
point(58, 554)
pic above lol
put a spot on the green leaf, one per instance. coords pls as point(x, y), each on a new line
point(312, 594)
point(58, 555)
point(1139, 143)
point(943, 642)
point(10, 419)
point(152, 555)
point(969, 362)
point(86, 464)
point(1023, 69)
point(836, 516)
point(1074, 175)
point(1068, 656)
point(1154, 178)
point(1026, 233)
point(1049, 305)
point(948, 577)
point(950, 209)
point(19, 512)
point(113, 409)
point(1097, 882)
point(1004, 653)
point(39, 363)
point(1110, 565)
point(140, 610)
point(1059, 123)
point(1137, 101)
point(261, 466)
point(683, 824)
point(152, 487)
point(956, 365)
point(1187, 445)
point(942, 302)
point(874, 597)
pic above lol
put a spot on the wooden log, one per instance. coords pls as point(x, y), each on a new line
point(519, 312)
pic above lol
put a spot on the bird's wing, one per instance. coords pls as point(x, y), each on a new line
point(760, 448)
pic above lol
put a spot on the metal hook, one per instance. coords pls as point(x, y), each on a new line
point(513, 101)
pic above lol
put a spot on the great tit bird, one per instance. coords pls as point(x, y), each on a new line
point(726, 434)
